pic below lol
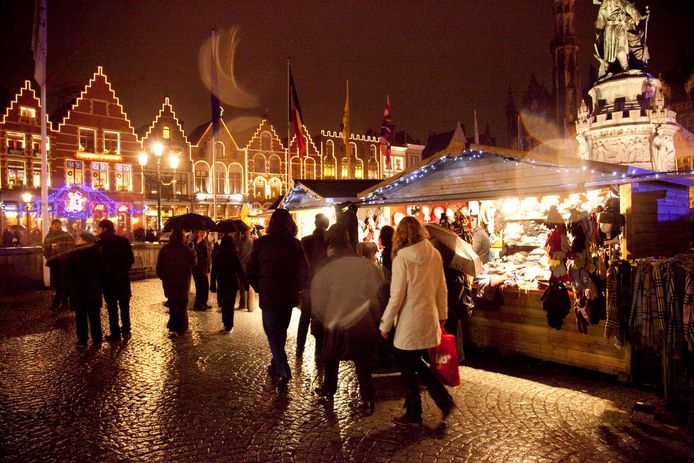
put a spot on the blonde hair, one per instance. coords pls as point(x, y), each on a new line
point(408, 232)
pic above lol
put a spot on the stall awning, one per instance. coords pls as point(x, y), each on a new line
point(482, 172)
point(310, 194)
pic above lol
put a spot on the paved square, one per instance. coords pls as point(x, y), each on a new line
point(207, 397)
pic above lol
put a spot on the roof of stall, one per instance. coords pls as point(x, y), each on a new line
point(309, 194)
point(482, 172)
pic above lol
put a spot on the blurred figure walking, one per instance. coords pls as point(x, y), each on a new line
point(57, 242)
point(278, 271)
point(83, 270)
point(228, 273)
point(174, 268)
point(201, 270)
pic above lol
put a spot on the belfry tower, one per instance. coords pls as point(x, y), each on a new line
point(565, 51)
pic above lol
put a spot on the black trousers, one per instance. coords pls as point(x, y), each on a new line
point(88, 319)
point(202, 290)
point(411, 365)
point(59, 282)
point(178, 315)
point(363, 367)
point(304, 323)
point(275, 323)
point(113, 303)
point(228, 299)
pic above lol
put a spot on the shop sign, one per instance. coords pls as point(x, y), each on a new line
point(75, 202)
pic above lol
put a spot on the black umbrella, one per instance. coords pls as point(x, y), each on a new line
point(230, 226)
point(190, 221)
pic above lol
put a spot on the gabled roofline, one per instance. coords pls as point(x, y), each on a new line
point(27, 86)
point(156, 119)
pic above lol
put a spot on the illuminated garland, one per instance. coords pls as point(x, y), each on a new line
point(58, 203)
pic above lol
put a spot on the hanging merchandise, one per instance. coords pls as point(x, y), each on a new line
point(557, 245)
point(556, 303)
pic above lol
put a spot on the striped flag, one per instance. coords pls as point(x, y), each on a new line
point(386, 137)
point(39, 43)
point(296, 120)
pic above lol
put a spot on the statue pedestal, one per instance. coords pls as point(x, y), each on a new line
point(628, 123)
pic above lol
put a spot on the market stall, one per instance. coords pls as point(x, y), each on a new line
point(506, 195)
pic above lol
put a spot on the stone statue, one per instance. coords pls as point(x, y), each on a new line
point(583, 148)
point(663, 153)
point(620, 45)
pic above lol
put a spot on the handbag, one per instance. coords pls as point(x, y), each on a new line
point(444, 360)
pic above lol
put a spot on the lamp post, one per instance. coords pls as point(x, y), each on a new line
point(158, 150)
point(26, 197)
point(142, 160)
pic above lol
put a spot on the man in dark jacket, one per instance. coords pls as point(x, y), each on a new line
point(228, 273)
point(316, 250)
point(117, 258)
point(201, 271)
point(278, 271)
point(57, 242)
point(174, 267)
point(83, 267)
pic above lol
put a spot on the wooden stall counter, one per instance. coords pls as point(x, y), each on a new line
point(519, 326)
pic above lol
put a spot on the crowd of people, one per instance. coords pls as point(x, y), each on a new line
point(353, 303)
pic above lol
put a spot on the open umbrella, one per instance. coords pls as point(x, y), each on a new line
point(230, 226)
point(188, 222)
point(456, 253)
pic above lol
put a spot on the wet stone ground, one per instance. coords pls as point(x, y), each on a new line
point(207, 397)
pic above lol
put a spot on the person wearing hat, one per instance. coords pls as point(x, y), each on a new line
point(117, 258)
point(83, 275)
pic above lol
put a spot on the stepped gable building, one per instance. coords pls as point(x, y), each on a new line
point(20, 157)
point(93, 160)
point(308, 165)
point(455, 140)
point(222, 172)
point(267, 177)
point(176, 181)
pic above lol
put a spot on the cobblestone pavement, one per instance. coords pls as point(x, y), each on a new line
point(206, 397)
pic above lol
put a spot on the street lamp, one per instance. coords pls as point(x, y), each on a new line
point(158, 150)
point(26, 197)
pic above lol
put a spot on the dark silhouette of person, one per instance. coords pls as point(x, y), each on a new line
point(83, 269)
point(175, 264)
point(57, 242)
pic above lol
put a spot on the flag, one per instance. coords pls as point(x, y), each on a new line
point(345, 123)
point(386, 137)
point(296, 120)
point(214, 98)
point(39, 43)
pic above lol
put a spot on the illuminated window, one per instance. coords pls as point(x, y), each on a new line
point(220, 150)
point(181, 184)
point(310, 168)
point(15, 142)
point(27, 113)
point(397, 164)
point(275, 164)
point(259, 163)
point(329, 168)
point(124, 177)
point(36, 144)
point(296, 167)
point(259, 188)
point(202, 178)
point(87, 140)
point(111, 142)
point(15, 174)
point(372, 171)
point(100, 175)
point(344, 172)
point(265, 142)
point(36, 175)
point(275, 187)
point(235, 179)
point(74, 172)
point(221, 174)
point(166, 132)
point(359, 169)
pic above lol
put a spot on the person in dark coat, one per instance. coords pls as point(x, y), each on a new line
point(83, 269)
point(316, 249)
point(57, 242)
point(228, 272)
point(118, 258)
point(201, 271)
point(278, 271)
point(7, 238)
point(244, 246)
point(174, 268)
point(386, 239)
point(345, 298)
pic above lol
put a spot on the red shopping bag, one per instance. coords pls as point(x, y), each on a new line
point(444, 360)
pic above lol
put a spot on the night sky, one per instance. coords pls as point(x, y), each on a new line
point(438, 61)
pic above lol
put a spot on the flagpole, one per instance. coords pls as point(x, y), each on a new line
point(348, 151)
point(477, 130)
point(40, 49)
point(214, 168)
point(289, 124)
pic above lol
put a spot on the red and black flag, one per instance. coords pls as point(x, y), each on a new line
point(386, 138)
point(296, 120)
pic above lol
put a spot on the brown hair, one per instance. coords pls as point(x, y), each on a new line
point(408, 232)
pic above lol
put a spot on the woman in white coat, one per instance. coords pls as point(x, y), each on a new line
point(418, 303)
